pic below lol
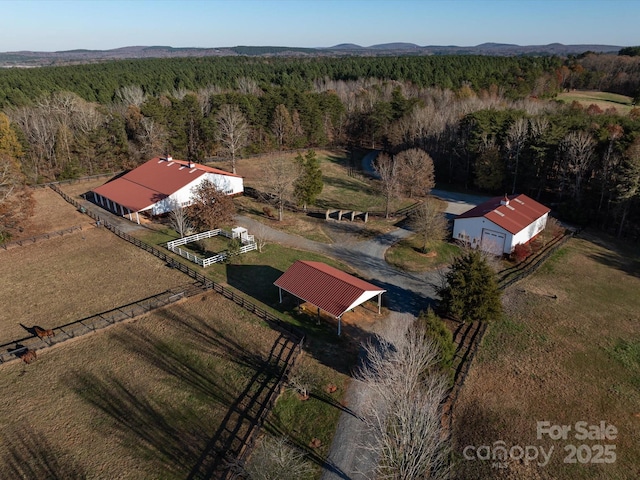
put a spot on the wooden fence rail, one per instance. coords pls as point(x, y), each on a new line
point(39, 238)
point(205, 282)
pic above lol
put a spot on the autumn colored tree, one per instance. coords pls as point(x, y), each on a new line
point(211, 208)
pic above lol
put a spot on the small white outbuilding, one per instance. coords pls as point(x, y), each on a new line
point(501, 223)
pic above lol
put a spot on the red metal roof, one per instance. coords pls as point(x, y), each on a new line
point(520, 212)
point(328, 288)
point(153, 181)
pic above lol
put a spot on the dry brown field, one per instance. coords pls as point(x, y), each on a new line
point(139, 400)
point(568, 351)
point(51, 213)
point(64, 279)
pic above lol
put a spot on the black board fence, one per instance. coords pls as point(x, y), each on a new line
point(39, 238)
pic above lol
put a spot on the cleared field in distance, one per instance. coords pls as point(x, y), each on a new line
point(604, 100)
point(568, 351)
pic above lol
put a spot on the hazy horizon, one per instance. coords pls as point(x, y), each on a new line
point(60, 25)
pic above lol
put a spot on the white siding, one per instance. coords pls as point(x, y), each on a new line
point(526, 234)
point(470, 230)
point(230, 185)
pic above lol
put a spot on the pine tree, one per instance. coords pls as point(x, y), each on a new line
point(309, 184)
point(471, 291)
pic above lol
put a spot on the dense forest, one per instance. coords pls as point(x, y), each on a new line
point(489, 123)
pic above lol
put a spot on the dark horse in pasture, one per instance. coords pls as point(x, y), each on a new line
point(27, 355)
point(40, 332)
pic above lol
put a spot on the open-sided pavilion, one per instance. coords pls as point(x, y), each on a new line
point(327, 288)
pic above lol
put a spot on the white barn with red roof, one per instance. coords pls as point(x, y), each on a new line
point(327, 288)
point(157, 185)
point(501, 223)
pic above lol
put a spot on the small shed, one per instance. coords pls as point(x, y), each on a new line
point(239, 232)
point(327, 288)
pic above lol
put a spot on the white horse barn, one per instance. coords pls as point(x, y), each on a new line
point(156, 186)
point(501, 223)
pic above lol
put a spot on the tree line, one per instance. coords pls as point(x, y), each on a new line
point(488, 125)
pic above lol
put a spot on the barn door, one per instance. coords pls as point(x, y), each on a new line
point(492, 241)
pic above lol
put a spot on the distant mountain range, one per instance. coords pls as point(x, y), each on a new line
point(31, 59)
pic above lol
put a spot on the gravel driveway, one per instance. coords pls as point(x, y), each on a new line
point(407, 294)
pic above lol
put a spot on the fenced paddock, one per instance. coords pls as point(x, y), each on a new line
point(39, 238)
point(72, 277)
point(248, 244)
point(144, 400)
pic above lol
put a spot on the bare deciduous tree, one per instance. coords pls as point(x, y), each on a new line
point(261, 236)
point(578, 148)
point(233, 131)
point(403, 414)
point(609, 160)
point(276, 459)
point(415, 169)
point(179, 218)
point(429, 222)
point(387, 169)
point(280, 175)
point(131, 95)
point(282, 126)
point(516, 138)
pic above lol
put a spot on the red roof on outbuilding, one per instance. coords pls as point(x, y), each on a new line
point(514, 216)
point(153, 181)
point(328, 288)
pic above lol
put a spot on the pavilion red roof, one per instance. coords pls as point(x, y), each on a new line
point(326, 287)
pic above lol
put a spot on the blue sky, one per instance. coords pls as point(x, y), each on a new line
point(50, 25)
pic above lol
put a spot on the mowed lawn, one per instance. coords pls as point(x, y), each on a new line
point(604, 100)
point(568, 351)
point(140, 400)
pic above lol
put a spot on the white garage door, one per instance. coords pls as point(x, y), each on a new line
point(493, 241)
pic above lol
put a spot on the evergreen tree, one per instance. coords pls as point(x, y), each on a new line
point(309, 184)
point(441, 336)
point(471, 291)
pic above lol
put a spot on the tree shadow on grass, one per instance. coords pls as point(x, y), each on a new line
point(28, 454)
point(151, 423)
point(628, 264)
point(150, 426)
point(256, 281)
